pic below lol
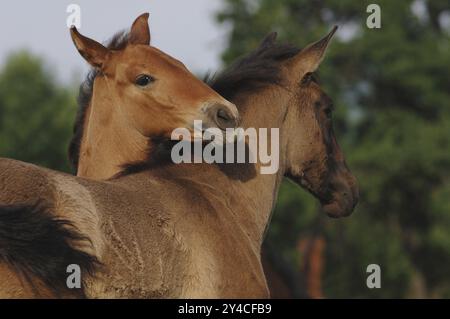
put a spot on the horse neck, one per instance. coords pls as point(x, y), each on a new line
point(258, 197)
point(253, 199)
point(265, 110)
point(108, 141)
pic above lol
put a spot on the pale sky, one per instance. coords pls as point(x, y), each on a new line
point(185, 29)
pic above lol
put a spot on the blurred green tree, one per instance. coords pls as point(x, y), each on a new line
point(391, 88)
point(36, 113)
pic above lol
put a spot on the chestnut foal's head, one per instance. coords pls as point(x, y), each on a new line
point(153, 92)
point(315, 160)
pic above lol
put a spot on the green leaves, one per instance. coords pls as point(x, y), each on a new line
point(36, 113)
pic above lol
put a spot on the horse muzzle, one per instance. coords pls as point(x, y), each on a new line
point(343, 195)
point(221, 115)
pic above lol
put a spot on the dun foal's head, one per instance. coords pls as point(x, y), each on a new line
point(315, 160)
point(153, 92)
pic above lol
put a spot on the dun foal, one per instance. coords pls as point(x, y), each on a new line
point(206, 243)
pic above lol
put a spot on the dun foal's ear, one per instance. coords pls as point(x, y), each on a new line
point(140, 31)
point(309, 59)
point(268, 40)
point(92, 51)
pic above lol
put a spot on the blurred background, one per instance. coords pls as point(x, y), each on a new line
point(391, 88)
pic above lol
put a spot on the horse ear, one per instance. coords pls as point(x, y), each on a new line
point(309, 59)
point(268, 40)
point(92, 51)
point(140, 31)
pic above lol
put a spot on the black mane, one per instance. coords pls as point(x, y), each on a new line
point(252, 72)
point(39, 247)
point(255, 70)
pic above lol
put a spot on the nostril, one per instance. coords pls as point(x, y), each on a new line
point(223, 115)
point(224, 119)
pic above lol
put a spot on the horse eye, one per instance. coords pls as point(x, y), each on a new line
point(329, 112)
point(307, 78)
point(144, 80)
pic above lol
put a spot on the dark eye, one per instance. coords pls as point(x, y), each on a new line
point(329, 112)
point(144, 80)
point(307, 78)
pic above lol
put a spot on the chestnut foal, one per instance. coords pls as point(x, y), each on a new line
point(136, 93)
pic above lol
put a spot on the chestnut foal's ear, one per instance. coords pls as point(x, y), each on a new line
point(309, 59)
point(92, 51)
point(140, 31)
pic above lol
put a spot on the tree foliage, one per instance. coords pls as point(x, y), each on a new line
point(36, 113)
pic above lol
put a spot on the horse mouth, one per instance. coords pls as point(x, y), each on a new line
point(337, 209)
point(341, 202)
